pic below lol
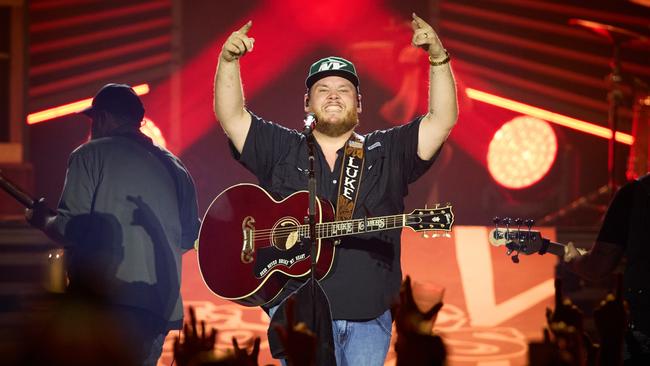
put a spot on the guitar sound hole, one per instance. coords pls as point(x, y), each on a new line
point(285, 234)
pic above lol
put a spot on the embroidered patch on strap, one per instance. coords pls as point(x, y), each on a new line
point(350, 180)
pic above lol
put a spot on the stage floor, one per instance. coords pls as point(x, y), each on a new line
point(493, 307)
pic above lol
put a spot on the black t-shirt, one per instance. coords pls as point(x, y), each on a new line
point(366, 275)
point(627, 224)
point(616, 224)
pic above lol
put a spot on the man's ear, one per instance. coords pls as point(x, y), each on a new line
point(306, 103)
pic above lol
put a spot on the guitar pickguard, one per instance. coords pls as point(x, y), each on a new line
point(269, 258)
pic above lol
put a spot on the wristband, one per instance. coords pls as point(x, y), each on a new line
point(445, 60)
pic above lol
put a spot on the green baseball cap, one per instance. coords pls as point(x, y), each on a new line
point(332, 66)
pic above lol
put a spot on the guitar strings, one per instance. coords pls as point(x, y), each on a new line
point(323, 228)
point(320, 227)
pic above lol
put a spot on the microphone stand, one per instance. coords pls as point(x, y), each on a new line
point(325, 350)
point(311, 214)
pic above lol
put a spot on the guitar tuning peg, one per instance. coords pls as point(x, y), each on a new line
point(448, 204)
point(496, 220)
point(447, 235)
point(529, 223)
point(508, 252)
point(519, 221)
point(515, 258)
point(435, 235)
point(425, 235)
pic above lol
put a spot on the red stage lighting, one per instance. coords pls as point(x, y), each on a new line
point(73, 107)
point(522, 152)
point(576, 124)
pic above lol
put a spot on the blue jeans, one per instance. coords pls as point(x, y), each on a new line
point(359, 343)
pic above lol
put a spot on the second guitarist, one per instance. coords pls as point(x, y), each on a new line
point(127, 213)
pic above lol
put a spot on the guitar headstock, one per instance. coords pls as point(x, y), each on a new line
point(437, 218)
point(515, 239)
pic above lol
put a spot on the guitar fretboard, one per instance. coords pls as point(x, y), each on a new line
point(356, 226)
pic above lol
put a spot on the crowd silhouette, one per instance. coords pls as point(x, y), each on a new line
point(565, 341)
point(66, 332)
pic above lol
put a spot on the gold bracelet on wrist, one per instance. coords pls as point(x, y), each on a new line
point(445, 60)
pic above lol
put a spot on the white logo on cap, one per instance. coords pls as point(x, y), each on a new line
point(331, 65)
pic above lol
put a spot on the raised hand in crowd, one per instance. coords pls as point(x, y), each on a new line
point(416, 344)
point(566, 323)
point(298, 340)
point(195, 347)
point(408, 316)
point(570, 343)
point(242, 356)
point(558, 349)
point(565, 311)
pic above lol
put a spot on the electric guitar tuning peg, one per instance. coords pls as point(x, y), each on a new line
point(515, 258)
point(425, 235)
point(435, 235)
point(529, 223)
point(496, 220)
point(519, 221)
point(447, 235)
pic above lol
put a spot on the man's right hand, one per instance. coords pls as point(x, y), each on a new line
point(39, 215)
point(238, 44)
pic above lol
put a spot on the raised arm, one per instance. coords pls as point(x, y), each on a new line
point(228, 92)
point(443, 107)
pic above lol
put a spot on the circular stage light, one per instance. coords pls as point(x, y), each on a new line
point(522, 152)
point(150, 129)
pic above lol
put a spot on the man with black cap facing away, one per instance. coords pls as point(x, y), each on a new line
point(366, 275)
point(127, 213)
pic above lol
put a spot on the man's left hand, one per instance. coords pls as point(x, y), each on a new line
point(426, 38)
point(39, 215)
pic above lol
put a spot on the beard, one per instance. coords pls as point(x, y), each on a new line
point(336, 129)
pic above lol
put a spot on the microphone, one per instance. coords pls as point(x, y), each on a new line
point(310, 122)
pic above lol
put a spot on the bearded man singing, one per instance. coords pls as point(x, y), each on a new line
point(366, 275)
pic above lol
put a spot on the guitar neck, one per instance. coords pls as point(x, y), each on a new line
point(20, 196)
point(357, 226)
point(555, 248)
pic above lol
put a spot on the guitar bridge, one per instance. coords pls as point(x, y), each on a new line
point(247, 248)
point(248, 233)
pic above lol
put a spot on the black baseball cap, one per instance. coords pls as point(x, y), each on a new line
point(118, 99)
point(332, 66)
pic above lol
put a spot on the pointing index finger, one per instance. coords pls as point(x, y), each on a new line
point(417, 21)
point(246, 27)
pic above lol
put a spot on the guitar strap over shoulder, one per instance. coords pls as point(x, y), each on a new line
point(350, 179)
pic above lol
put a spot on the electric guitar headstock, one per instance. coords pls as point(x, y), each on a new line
point(524, 240)
point(437, 219)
